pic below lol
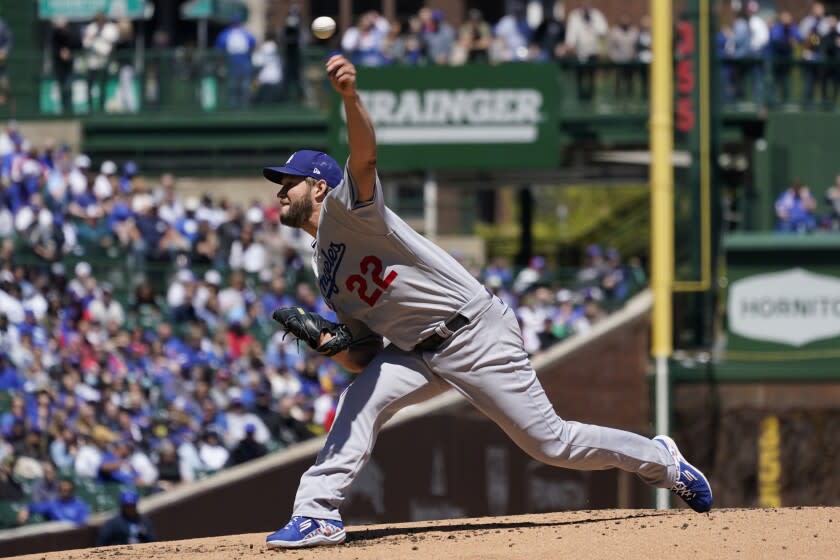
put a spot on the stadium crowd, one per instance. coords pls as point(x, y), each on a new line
point(178, 379)
point(760, 50)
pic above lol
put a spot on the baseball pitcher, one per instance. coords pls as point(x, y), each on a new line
point(445, 330)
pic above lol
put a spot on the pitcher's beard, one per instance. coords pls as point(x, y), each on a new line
point(298, 213)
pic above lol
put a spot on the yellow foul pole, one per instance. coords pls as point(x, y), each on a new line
point(662, 208)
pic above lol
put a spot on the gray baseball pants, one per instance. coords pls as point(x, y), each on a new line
point(485, 362)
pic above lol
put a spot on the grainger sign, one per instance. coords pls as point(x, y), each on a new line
point(468, 117)
point(794, 308)
point(483, 116)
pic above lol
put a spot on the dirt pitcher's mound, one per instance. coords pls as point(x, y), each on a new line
point(812, 533)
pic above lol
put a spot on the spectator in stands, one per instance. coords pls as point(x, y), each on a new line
point(621, 49)
point(10, 489)
point(266, 412)
point(214, 456)
point(567, 316)
point(549, 39)
point(248, 448)
point(548, 337)
point(105, 309)
point(229, 231)
point(10, 378)
point(89, 456)
point(739, 49)
point(759, 41)
point(784, 39)
point(615, 282)
point(238, 419)
point(238, 44)
point(126, 181)
point(831, 57)
point(585, 30)
point(5, 48)
point(414, 49)
point(438, 36)
point(292, 44)
point(46, 488)
point(293, 427)
point(813, 28)
point(795, 209)
point(170, 207)
point(46, 236)
point(63, 449)
point(531, 317)
point(34, 443)
point(593, 312)
point(246, 253)
point(128, 526)
point(15, 415)
point(93, 230)
point(594, 267)
point(67, 507)
point(474, 39)
point(513, 34)
point(364, 43)
point(116, 465)
point(233, 297)
point(152, 238)
point(269, 80)
point(187, 225)
point(644, 52)
point(832, 199)
point(530, 276)
point(168, 465)
point(98, 39)
point(145, 308)
point(64, 41)
point(206, 244)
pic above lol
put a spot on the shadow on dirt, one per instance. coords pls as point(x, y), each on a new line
point(360, 536)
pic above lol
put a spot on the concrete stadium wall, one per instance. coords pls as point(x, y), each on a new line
point(439, 459)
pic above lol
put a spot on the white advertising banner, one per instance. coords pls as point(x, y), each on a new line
point(794, 307)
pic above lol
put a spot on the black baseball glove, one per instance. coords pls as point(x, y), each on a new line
point(309, 326)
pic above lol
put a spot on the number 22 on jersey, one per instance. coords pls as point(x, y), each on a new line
point(371, 268)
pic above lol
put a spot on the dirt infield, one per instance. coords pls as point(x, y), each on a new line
point(626, 534)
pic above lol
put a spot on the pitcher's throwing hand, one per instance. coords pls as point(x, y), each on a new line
point(342, 75)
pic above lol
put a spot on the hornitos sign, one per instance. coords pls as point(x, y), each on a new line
point(794, 307)
point(470, 117)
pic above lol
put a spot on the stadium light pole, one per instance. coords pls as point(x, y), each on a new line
point(662, 210)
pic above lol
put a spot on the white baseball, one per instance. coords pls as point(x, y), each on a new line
point(323, 27)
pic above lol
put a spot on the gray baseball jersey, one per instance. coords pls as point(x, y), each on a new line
point(381, 276)
point(374, 269)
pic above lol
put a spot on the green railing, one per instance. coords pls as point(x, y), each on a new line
point(187, 81)
point(750, 83)
point(183, 81)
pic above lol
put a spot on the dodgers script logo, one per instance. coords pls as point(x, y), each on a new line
point(332, 260)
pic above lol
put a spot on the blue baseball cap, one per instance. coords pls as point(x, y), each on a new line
point(129, 497)
point(307, 163)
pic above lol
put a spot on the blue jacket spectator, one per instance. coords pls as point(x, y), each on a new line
point(238, 43)
point(16, 415)
point(115, 466)
point(741, 37)
point(10, 377)
point(364, 43)
point(784, 36)
point(795, 209)
point(67, 507)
